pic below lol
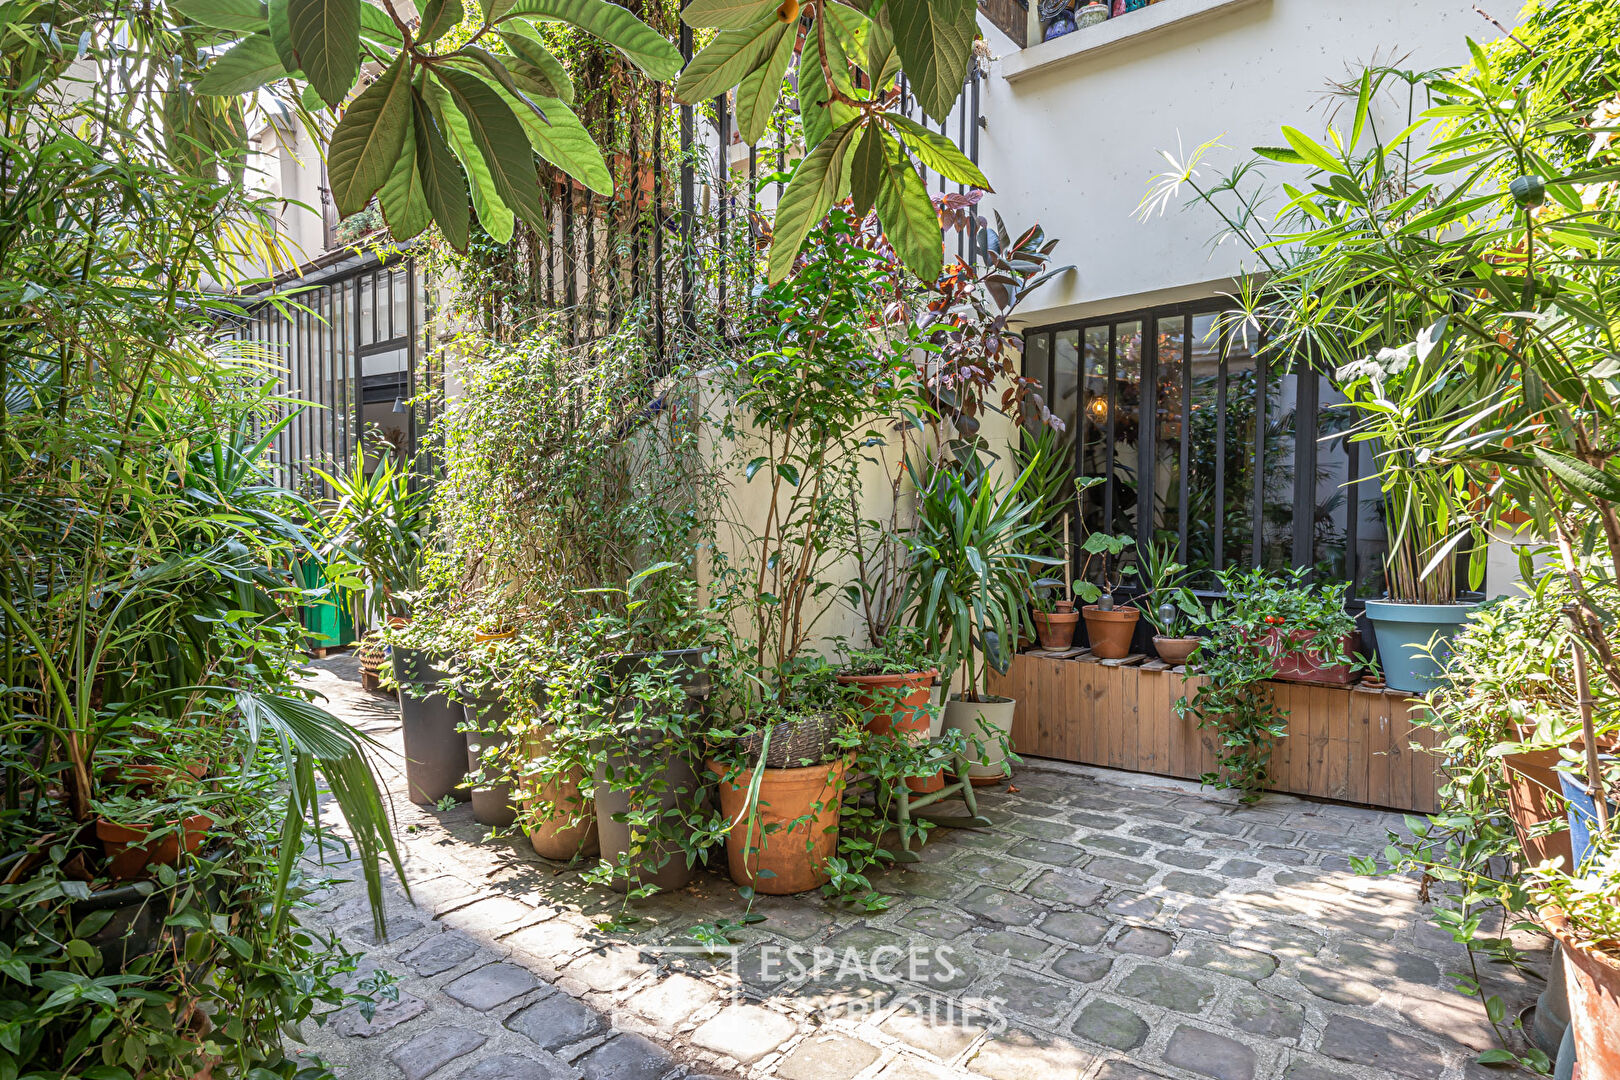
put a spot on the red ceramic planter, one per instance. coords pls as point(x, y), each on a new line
point(1307, 667)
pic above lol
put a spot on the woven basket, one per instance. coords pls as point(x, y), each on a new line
point(794, 741)
point(372, 653)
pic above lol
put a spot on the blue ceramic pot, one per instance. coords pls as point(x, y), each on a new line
point(1582, 813)
point(1063, 24)
point(1407, 634)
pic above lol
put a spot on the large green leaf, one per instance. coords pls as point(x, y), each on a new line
point(938, 153)
point(726, 14)
point(641, 44)
point(325, 37)
point(534, 64)
point(819, 114)
point(281, 34)
point(438, 18)
point(404, 203)
point(815, 186)
point(444, 187)
point(494, 215)
point(246, 16)
point(935, 42)
point(869, 169)
point(248, 65)
point(910, 223)
point(562, 140)
point(758, 93)
point(500, 139)
point(376, 25)
point(366, 143)
point(728, 59)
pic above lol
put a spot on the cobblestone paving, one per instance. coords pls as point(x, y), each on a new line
point(1109, 927)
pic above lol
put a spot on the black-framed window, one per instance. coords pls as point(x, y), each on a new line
point(1203, 436)
point(352, 347)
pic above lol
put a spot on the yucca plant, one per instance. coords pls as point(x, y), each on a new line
point(973, 559)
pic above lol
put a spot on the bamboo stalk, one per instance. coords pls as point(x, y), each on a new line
point(1068, 562)
point(1594, 772)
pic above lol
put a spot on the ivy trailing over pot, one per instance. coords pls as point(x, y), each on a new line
point(1263, 622)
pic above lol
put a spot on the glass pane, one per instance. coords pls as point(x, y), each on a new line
point(1329, 537)
point(368, 326)
point(383, 388)
point(1038, 364)
point(1092, 401)
point(1239, 412)
point(1279, 521)
point(1167, 428)
point(1066, 378)
point(400, 322)
point(1127, 418)
point(1204, 456)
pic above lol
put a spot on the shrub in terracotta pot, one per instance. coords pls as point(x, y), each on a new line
point(891, 688)
point(1109, 625)
point(1582, 910)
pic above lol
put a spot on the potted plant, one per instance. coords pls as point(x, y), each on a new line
point(1175, 613)
point(893, 691)
point(423, 652)
point(1580, 906)
point(972, 575)
point(1109, 625)
point(781, 787)
point(1306, 627)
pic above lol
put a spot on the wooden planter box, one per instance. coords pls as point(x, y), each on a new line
point(1345, 743)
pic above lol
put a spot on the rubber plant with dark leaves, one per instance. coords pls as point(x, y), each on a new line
point(453, 114)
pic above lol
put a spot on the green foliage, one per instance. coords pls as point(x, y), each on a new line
point(375, 526)
point(1262, 622)
point(1171, 607)
point(972, 568)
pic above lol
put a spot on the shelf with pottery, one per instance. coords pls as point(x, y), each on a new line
point(1094, 36)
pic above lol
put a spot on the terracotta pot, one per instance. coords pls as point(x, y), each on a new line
point(570, 830)
point(988, 721)
point(1532, 788)
point(1593, 980)
point(1175, 650)
point(1110, 631)
point(1307, 666)
point(901, 703)
point(129, 856)
point(1056, 628)
point(795, 826)
point(1063, 607)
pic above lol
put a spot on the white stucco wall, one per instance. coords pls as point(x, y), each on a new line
point(1073, 146)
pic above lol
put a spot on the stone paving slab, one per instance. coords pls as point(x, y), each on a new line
point(1108, 926)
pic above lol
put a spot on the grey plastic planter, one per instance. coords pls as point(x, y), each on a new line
point(1406, 633)
point(492, 802)
point(435, 751)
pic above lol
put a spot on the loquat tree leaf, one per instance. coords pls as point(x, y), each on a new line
point(868, 169)
point(726, 14)
point(758, 93)
point(535, 65)
point(501, 139)
point(641, 44)
point(402, 198)
point(938, 153)
point(909, 220)
point(728, 59)
point(815, 186)
point(376, 25)
point(493, 214)
point(245, 16)
point(935, 41)
point(438, 18)
point(366, 142)
point(325, 36)
point(444, 186)
point(562, 140)
point(281, 34)
point(248, 65)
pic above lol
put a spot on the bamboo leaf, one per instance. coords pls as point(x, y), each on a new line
point(1312, 151)
point(641, 44)
point(1580, 477)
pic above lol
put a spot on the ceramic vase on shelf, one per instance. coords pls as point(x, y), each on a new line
point(1091, 14)
point(1057, 18)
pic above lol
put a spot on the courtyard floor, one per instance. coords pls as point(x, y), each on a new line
point(1110, 926)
